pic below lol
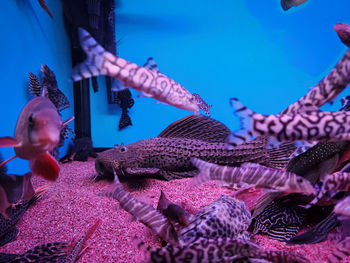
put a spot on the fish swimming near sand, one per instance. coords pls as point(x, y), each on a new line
point(287, 4)
point(168, 155)
point(252, 174)
point(60, 252)
point(150, 82)
point(309, 125)
point(8, 231)
point(37, 133)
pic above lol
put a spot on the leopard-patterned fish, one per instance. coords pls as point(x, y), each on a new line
point(150, 82)
point(252, 174)
point(309, 125)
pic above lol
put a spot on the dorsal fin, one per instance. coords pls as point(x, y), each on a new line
point(151, 64)
point(197, 127)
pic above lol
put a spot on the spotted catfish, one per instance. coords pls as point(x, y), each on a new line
point(254, 175)
point(168, 155)
point(217, 233)
point(56, 252)
point(150, 82)
point(309, 125)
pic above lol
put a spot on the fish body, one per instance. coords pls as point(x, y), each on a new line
point(150, 82)
point(168, 155)
point(343, 207)
point(253, 174)
point(287, 4)
point(312, 125)
point(37, 133)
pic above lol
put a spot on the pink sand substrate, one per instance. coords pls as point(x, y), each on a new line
point(72, 204)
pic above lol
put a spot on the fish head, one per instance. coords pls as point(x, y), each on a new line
point(38, 128)
point(298, 184)
point(118, 158)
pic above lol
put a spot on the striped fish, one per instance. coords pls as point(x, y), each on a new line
point(333, 182)
point(309, 125)
point(252, 174)
point(150, 82)
point(143, 212)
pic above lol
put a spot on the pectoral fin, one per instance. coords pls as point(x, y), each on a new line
point(9, 142)
point(45, 166)
point(142, 171)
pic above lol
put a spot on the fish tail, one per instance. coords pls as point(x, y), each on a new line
point(125, 120)
point(95, 58)
point(202, 104)
point(203, 174)
point(245, 134)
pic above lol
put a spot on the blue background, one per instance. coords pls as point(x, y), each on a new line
point(250, 49)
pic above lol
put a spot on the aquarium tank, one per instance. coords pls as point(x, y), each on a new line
point(114, 107)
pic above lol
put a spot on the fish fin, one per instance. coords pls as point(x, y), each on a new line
point(45, 7)
point(45, 166)
point(117, 85)
point(4, 204)
point(202, 104)
point(203, 174)
point(316, 234)
point(142, 171)
point(287, 4)
point(281, 156)
point(64, 124)
point(9, 142)
point(34, 85)
point(151, 64)
point(343, 31)
point(345, 102)
point(246, 133)
point(95, 58)
point(163, 201)
point(263, 202)
point(147, 95)
point(6, 161)
point(125, 120)
point(197, 127)
point(171, 175)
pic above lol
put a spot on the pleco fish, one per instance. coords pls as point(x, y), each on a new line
point(286, 4)
point(254, 175)
point(216, 233)
point(37, 133)
point(59, 252)
point(168, 155)
point(309, 125)
point(150, 82)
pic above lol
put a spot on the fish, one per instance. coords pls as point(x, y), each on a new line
point(143, 212)
point(151, 83)
point(287, 4)
point(8, 231)
point(309, 125)
point(167, 156)
point(37, 132)
point(81, 150)
point(125, 101)
point(343, 207)
point(60, 252)
point(252, 174)
point(341, 250)
point(45, 7)
point(343, 31)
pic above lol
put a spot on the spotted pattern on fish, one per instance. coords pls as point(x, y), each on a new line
point(150, 82)
point(202, 104)
point(170, 152)
point(309, 125)
point(279, 221)
point(337, 181)
point(143, 212)
point(327, 89)
point(252, 174)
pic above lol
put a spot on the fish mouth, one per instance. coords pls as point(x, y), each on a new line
point(104, 171)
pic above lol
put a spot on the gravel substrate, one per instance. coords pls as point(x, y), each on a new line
point(72, 204)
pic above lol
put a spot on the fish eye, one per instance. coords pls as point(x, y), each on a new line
point(31, 120)
point(300, 180)
point(123, 149)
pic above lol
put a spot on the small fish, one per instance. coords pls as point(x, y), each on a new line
point(8, 229)
point(150, 82)
point(286, 4)
point(81, 150)
point(143, 212)
point(168, 155)
point(125, 101)
point(60, 252)
point(37, 133)
point(309, 125)
point(252, 174)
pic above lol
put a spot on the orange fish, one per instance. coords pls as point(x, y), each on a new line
point(37, 133)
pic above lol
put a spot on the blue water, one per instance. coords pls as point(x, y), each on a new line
point(252, 50)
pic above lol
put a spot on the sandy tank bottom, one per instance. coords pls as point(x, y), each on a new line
point(72, 204)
